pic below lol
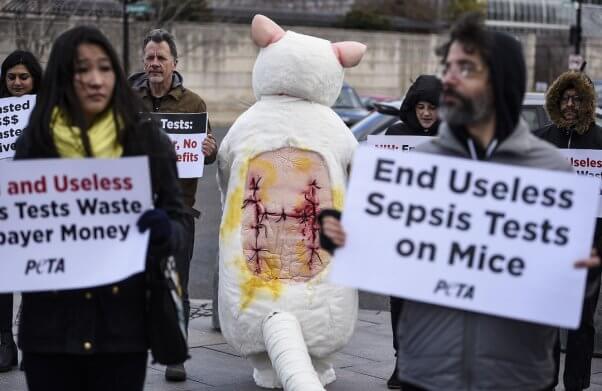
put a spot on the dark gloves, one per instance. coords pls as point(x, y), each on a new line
point(158, 222)
point(325, 241)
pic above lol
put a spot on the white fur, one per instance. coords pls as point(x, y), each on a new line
point(296, 80)
point(289, 67)
point(327, 313)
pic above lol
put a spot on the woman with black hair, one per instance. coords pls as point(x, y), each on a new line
point(95, 338)
point(21, 74)
point(418, 111)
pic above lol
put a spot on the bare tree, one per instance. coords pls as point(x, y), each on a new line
point(458, 7)
point(166, 12)
point(33, 25)
point(35, 21)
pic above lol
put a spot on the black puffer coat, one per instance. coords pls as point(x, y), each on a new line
point(106, 319)
point(582, 134)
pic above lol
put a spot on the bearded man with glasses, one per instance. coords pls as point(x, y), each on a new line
point(483, 78)
point(571, 105)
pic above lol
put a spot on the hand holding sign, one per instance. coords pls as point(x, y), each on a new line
point(333, 229)
point(209, 145)
point(591, 262)
point(157, 221)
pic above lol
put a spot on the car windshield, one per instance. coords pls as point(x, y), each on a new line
point(533, 113)
point(373, 124)
point(347, 98)
point(529, 114)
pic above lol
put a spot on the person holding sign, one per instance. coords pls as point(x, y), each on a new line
point(444, 348)
point(571, 105)
point(95, 338)
point(418, 111)
point(162, 91)
point(418, 114)
point(21, 74)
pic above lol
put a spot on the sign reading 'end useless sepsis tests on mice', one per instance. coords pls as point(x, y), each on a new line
point(483, 237)
point(68, 224)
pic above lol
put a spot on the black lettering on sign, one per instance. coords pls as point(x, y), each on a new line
point(45, 266)
point(76, 233)
point(479, 258)
point(421, 250)
point(459, 290)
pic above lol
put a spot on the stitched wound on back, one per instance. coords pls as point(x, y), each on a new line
point(285, 191)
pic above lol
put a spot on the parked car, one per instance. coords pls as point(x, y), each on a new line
point(349, 106)
point(387, 113)
point(370, 100)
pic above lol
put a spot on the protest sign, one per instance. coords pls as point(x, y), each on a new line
point(478, 236)
point(402, 143)
point(187, 132)
point(14, 116)
point(587, 162)
point(68, 224)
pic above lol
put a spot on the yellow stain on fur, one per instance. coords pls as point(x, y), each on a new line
point(233, 213)
point(271, 266)
point(338, 198)
point(301, 254)
point(252, 285)
point(302, 163)
point(269, 176)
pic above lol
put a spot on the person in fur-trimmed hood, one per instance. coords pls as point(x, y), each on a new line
point(571, 105)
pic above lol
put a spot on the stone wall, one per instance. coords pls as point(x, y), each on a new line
point(217, 59)
point(592, 53)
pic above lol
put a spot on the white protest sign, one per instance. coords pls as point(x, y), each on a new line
point(587, 162)
point(14, 116)
point(484, 237)
point(403, 143)
point(187, 132)
point(68, 224)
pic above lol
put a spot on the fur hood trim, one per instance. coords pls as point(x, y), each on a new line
point(587, 111)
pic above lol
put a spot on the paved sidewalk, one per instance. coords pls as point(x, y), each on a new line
point(364, 364)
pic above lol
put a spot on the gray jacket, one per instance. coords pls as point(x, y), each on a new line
point(448, 349)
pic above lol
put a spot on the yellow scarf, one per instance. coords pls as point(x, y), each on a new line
point(102, 134)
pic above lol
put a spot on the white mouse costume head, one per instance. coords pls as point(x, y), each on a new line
point(298, 65)
point(282, 162)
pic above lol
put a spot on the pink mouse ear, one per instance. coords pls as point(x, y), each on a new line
point(349, 53)
point(264, 31)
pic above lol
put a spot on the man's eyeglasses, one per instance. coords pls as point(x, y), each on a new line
point(463, 70)
point(575, 98)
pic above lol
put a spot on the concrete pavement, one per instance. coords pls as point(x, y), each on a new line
point(364, 364)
